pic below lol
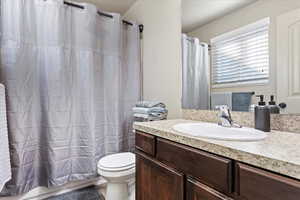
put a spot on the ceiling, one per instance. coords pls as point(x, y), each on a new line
point(118, 6)
point(196, 13)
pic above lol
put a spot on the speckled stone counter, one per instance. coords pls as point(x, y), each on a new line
point(279, 152)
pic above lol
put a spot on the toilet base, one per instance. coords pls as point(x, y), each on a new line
point(117, 191)
point(131, 189)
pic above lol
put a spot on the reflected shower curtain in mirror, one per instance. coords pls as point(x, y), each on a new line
point(195, 74)
point(72, 77)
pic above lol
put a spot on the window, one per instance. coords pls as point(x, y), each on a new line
point(241, 56)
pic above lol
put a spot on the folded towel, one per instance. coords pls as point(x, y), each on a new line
point(142, 110)
point(157, 115)
point(147, 117)
point(5, 167)
point(150, 104)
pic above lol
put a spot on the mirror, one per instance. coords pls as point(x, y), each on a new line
point(235, 51)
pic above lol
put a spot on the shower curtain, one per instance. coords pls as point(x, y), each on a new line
point(72, 77)
point(195, 74)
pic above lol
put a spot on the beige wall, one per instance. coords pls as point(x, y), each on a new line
point(244, 16)
point(161, 50)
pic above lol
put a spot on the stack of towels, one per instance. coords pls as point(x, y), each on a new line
point(150, 111)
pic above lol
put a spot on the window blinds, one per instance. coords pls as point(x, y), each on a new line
point(241, 56)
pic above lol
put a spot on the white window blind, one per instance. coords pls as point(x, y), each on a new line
point(241, 56)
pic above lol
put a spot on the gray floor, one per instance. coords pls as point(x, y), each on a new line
point(89, 193)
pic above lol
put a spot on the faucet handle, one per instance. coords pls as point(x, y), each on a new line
point(224, 111)
point(224, 116)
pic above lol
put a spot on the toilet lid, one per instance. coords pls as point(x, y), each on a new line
point(117, 161)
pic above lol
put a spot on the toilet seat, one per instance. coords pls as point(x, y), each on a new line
point(117, 162)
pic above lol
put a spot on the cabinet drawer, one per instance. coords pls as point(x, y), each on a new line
point(196, 190)
point(253, 183)
point(145, 143)
point(214, 171)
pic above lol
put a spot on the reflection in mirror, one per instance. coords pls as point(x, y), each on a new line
point(229, 54)
point(195, 69)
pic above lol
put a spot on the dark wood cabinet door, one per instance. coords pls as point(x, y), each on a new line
point(257, 184)
point(155, 181)
point(198, 191)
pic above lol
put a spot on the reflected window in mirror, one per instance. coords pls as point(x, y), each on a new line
point(241, 57)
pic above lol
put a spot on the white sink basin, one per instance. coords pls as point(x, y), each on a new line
point(214, 131)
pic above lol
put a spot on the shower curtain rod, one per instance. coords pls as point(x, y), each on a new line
point(110, 16)
point(99, 13)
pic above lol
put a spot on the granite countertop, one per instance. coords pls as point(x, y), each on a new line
point(279, 152)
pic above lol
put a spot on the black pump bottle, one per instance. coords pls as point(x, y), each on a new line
point(262, 115)
point(274, 109)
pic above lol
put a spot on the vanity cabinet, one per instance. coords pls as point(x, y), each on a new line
point(167, 170)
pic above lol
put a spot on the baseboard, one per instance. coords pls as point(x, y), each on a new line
point(42, 192)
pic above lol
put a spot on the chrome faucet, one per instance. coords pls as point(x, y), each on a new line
point(225, 119)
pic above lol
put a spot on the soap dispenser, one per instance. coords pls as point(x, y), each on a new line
point(262, 115)
point(274, 109)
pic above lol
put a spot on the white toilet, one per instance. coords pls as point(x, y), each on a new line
point(118, 170)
